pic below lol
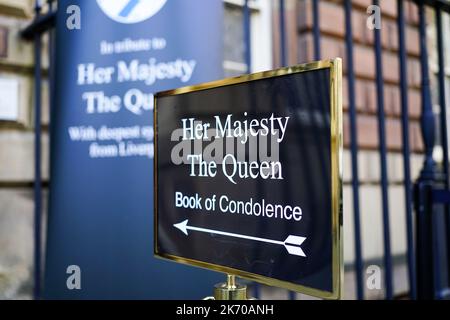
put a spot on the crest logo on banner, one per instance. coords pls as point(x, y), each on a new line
point(131, 11)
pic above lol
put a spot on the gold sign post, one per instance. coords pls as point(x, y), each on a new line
point(229, 290)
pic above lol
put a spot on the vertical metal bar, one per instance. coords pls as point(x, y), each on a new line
point(248, 61)
point(406, 148)
point(383, 162)
point(427, 117)
point(354, 148)
point(51, 53)
point(443, 118)
point(247, 36)
point(283, 61)
point(425, 184)
point(256, 290)
point(435, 221)
point(37, 161)
point(316, 29)
point(292, 295)
point(424, 227)
point(283, 42)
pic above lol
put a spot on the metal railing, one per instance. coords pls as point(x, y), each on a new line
point(41, 24)
point(422, 263)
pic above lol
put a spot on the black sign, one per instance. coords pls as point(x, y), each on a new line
point(248, 180)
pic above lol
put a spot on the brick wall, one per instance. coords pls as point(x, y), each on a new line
point(333, 32)
point(332, 26)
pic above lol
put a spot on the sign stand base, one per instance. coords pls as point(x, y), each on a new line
point(229, 290)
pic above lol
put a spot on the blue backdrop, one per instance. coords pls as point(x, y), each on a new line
point(101, 190)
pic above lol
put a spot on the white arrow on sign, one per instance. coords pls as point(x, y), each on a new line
point(292, 243)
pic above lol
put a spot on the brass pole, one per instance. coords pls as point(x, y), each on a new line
point(230, 290)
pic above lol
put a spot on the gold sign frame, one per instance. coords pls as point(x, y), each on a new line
point(335, 66)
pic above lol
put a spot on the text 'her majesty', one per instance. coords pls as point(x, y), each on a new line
point(241, 129)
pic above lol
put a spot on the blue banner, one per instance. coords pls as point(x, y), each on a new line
point(111, 57)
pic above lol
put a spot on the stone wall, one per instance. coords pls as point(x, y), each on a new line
point(17, 154)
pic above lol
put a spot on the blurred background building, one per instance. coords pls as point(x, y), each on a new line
point(17, 138)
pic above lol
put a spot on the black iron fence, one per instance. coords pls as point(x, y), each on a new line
point(425, 198)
